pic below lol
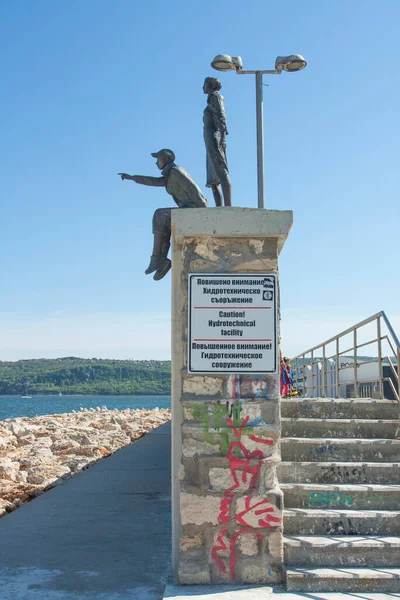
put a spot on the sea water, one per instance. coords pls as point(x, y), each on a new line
point(14, 406)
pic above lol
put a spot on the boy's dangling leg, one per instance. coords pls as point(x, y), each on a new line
point(159, 241)
point(162, 234)
point(164, 264)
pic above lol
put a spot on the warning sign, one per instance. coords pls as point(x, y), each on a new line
point(232, 323)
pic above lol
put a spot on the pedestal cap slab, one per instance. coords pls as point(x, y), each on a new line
point(233, 221)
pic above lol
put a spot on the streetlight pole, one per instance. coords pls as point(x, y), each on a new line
point(292, 63)
point(260, 138)
point(260, 128)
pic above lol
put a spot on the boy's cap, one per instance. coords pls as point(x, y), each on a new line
point(164, 152)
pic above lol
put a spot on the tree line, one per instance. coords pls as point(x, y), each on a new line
point(71, 375)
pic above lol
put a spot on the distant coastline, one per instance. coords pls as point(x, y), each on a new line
point(52, 395)
point(36, 405)
point(85, 377)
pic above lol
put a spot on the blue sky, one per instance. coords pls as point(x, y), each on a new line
point(92, 88)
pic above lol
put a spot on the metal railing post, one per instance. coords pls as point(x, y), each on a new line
point(355, 365)
point(398, 372)
point(312, 373)
point(378, 327)
point(337, 369)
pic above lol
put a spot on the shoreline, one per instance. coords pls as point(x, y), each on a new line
point(40, 395)
point(38, 453)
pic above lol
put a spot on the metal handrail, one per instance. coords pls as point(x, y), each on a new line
point(321, 377)
point(391, 330)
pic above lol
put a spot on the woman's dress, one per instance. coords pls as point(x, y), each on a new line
point(215, 132)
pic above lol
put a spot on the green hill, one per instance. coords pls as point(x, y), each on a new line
point(72, 375)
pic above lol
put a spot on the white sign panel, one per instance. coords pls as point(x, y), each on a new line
point(232, 323)
point(367, 372)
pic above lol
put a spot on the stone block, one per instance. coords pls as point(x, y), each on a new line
point(206, 247)
point(264, 440)
point(197, 471)
point(269, 478)
point(256, 245)
point(222, 542)
point(275, 546)
point(181, 472)
point(199, 509)
point(193, 564)
point(249, 544)
point(255, 264)
point(270, 411)
point(222, 479)
point(260, 512)
point(191, 542)
point(193, 447)
point(199, 265)
point(218, 577)
point(249, 570)
point(194, 577)
point(199, 385)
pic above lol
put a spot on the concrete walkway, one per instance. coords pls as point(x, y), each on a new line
point(105, 534)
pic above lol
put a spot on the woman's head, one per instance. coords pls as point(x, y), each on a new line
point(211, 84)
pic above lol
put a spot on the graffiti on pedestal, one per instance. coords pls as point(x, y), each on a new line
point(236, 411)
point(254, 513)
point(254, 387)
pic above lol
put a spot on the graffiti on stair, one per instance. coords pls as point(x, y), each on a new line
point(327, 449)
point(338, 473)
point(329, 498)
point(252, 512)
point(342, 527)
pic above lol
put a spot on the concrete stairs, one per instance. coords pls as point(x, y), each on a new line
point(340, 475)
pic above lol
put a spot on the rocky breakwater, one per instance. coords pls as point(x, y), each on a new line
point(38, 453)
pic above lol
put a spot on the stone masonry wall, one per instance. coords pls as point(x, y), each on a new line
point(230, 504)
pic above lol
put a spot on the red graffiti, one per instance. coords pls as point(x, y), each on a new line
point(245, 469)
point(261, 441)
point(236, 466)
point(251, 511)
point(214, 551)
point(232, 560)
point(223, 516)
point(242, 426)
point(251, 464)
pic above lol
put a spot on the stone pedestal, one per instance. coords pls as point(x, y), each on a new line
point(227, 504)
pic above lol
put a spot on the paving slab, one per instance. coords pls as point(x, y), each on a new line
point(104, 534)
point(225, 592)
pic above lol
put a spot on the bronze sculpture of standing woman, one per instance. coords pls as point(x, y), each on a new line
point(215, 133)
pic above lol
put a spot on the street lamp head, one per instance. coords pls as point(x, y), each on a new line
point(224, 62)
point(292, 63)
